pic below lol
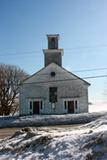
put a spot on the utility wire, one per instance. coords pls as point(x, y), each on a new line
point(87, 47)
point(66, 50)
point(84, 70)
point(88, 70)
point(28, 53)
point(61, 80)
point(69, 79)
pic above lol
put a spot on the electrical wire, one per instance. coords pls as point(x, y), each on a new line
point(40, 51)
point(88, 70)
point(69, 79)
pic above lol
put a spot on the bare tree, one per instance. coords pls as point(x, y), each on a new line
point(10, 78)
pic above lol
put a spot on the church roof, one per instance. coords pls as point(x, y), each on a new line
point(68, 79)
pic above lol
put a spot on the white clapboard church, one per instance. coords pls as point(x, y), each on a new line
point(53, 89)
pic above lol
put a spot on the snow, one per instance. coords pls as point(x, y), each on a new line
point(44, 120)
point(87, 142)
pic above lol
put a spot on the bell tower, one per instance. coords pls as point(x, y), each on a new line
point(53, 54)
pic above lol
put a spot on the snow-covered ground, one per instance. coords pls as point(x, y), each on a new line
point(88, 142)
point(44, 120)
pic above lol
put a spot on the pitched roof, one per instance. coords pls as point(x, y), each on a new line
point(59, 67)
point(76, 76)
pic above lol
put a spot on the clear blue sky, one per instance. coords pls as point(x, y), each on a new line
point(82, 25)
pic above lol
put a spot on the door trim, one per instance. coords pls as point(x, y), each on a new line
point(36, 107)
point(71, 106)
point(30, 107)
point(65, 102)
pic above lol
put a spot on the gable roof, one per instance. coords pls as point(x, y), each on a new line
point(76, 76)
point(60, 68)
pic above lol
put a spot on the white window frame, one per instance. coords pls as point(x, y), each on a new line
point(71, 99)
point(32, 100)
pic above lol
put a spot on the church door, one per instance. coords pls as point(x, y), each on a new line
point(70, 106)
point(36, 109)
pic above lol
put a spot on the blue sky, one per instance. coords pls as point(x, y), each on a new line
point(82, 25)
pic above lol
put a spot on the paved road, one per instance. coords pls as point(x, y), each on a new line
point(5, 132)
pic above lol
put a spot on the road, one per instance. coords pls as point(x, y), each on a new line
point(5, 132)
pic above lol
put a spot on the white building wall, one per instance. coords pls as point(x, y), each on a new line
point(37, 87)
point(34, 92)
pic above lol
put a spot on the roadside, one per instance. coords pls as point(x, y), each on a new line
point(85, 142)
point(48, 120)
point(7, 132)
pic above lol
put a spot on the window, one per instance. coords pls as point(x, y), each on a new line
point(65, 104)
point(31, 105)
point(53, 74)
point(41, 105)
point(53, 94)
point(75, 104)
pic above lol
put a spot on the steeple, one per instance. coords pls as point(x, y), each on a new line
point(53, 41)
point(53, 54)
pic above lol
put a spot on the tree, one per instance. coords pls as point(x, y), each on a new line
point(10, 78)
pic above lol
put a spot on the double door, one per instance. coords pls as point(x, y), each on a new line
point(70, 106)
point(36, 107)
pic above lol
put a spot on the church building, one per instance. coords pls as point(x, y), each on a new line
point(53, 89)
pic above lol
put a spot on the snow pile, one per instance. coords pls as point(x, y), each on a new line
point(44, 120)
point(88, 142)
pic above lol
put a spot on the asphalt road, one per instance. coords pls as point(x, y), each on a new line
point(5, 132)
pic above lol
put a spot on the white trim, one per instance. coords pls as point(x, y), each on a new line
point(35, 99)
point(71, 99)
point(53, 51)
point(53, 35)
point(53, 106)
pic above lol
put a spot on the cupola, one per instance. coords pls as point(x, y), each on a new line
point(53, 54)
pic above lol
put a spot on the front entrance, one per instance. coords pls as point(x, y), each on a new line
point(36, 109)
point(70, 106)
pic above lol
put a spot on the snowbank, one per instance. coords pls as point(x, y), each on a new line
point(44, 120)
point(88, 142)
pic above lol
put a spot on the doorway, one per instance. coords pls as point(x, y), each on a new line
point(36, 109)
point(70, 106)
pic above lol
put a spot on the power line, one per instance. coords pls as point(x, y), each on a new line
point(61, 80)
point(69, 79)
point(92, 46)
point(20, 53)
point(84, 70)
point(88, 70)
point(66, 50)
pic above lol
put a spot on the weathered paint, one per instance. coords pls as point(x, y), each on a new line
point(37, 88)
